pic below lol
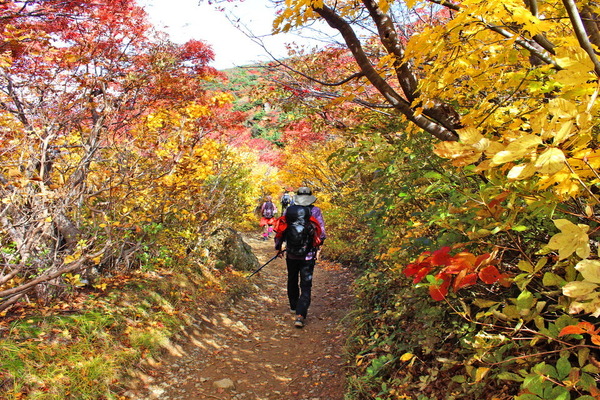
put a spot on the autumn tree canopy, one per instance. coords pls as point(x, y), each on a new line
point(90, 97)
point(121, 151)
point(493, 76)
point(405, 29)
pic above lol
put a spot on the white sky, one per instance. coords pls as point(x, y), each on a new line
point(194, 19)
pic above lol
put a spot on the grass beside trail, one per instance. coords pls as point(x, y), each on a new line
point(89, 345)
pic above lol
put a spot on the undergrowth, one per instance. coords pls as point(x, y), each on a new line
point(403, 342)
point(88, 346)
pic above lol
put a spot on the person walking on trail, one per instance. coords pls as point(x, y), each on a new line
point(286, 201)
point(267, 217)
point(302, 228)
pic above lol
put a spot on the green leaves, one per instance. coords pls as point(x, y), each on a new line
point(551, 279)
point(544, 381)
point(525, 300)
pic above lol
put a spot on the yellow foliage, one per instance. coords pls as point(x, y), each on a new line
point(571, 239)
point(533, 134)
point(517, 149)
point(222, 98)
point(460, 154)
point(551, 161)
point(584, 296)
point(309, 167)
point(158, 120)
point(196, 111)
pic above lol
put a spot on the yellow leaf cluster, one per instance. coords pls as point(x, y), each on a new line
point(584, 296)
point(195, 110)
point(296, 13)
point(158, 120)
point(519, 128)
point(571, 239)
point(222, 98)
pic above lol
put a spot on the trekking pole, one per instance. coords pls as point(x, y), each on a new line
point(265, 264)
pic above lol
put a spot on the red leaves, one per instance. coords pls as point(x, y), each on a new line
point(580, 328)
point(439, 292)
point(464, 280)
point(461, 270)
point(441, 256)
point(489, 274)
point(197, 54)
point(418, 270)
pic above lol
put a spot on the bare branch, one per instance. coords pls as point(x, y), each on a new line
point(356, 75)
point(581, 34)
point(310, 92)
point(11, 300)
point(433, 127)
point(389, 39)
point(590, 22)
point(49, 276)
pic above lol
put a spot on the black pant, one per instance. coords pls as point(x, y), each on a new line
point(299, 292)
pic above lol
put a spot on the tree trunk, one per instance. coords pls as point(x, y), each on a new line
point(430, 122)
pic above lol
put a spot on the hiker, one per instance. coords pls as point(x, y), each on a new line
point(286, 201)
point(267, 217)
point(302, 228)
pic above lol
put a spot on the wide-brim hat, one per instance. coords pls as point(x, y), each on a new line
point(304, 197)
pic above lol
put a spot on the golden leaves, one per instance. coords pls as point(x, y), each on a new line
point(562, 108)
point(550, 161)
point(571, 239)
point(585, 297)
point(467, 151)
point(195, 111)
point(459, 153)
point(513, 124)
point(470, 136)
point(521, 171)
point(558, 155)
point(577, 67)
point(525, 120)
point(517, 149)
point(295, 13)
point(410, 3)
point(222, 98)
point(74, 279)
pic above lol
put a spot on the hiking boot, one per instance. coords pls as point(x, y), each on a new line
point(299, 322)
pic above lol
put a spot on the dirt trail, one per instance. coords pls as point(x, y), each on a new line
point(253, 344)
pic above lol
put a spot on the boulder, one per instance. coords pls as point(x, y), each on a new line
point(229, 249)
